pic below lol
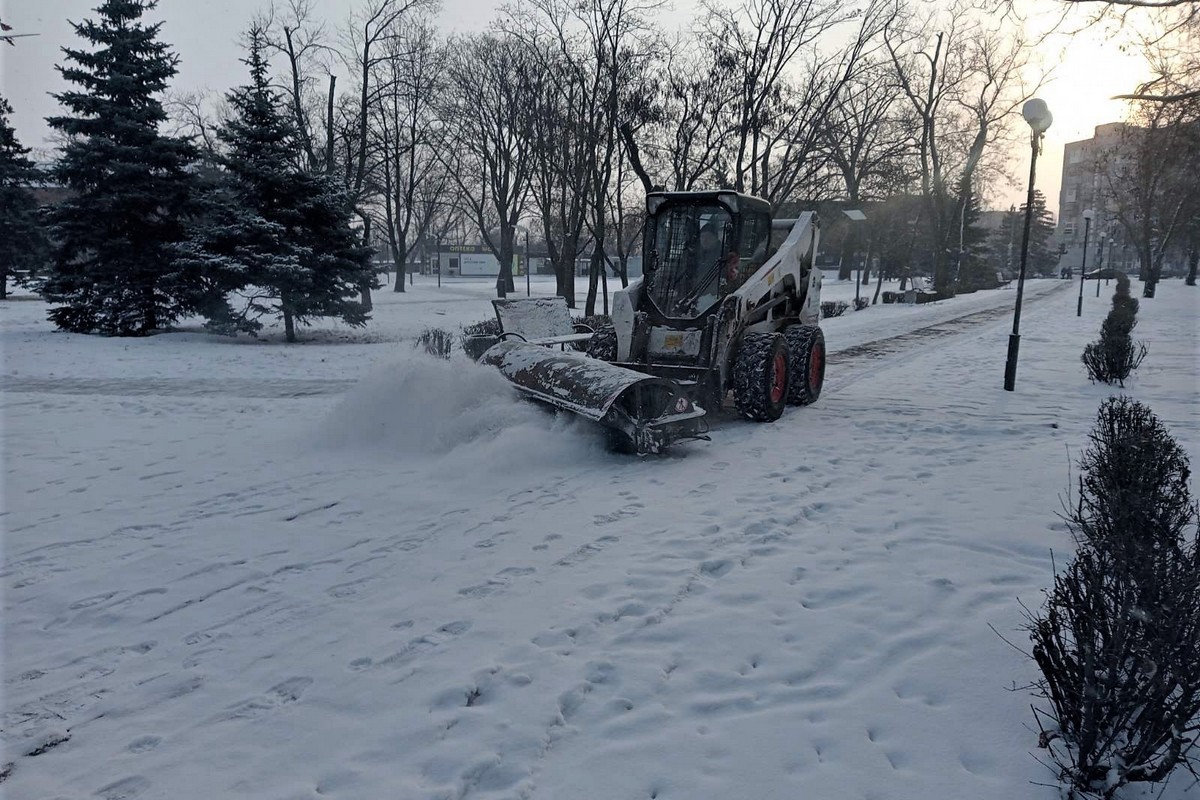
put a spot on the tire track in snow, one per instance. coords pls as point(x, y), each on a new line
point(179, 387)
point(882, 349)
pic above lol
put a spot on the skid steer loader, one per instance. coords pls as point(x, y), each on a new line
point(729, 303)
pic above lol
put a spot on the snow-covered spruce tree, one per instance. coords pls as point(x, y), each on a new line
point(112, 270)
point(22, 240)
point(1118, 643)
point(276, 238)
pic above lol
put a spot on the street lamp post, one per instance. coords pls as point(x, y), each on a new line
point(1039, 118)
point(1087, 228)
point(439, 261)
point(1112, 235)
point(855, 216)
point(528, 263)
point(1100, 261)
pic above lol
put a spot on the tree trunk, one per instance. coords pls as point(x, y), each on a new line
point(864, 278)
point(564, 271)
point(1151, 285)
point(364, 290)
point(289, 325)
point(943, 279)
point(329, 125)
point(878, 284)
point(635, 159)
point(364, 286)
point(1193, 261)
point(400, 256)
point(510, 284)
point(596, 264)
point(594, 267)
point(4, 281)
point(149, 310)
point(846, 260)
point(604, 285)
point(504, 280)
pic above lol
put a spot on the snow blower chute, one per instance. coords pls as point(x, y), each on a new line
point(730, 303)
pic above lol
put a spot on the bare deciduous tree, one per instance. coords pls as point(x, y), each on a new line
point(407, 135)
point(1151, 180)
point(300, 38)
point(964, 83)
point(867, 141)
point(486, 112)
point(762, 42)
point(564, 135)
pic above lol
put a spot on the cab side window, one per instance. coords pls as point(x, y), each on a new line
point(755, 242)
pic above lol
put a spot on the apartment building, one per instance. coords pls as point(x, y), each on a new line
point(1084, 187)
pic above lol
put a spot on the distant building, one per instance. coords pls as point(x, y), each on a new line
point(477, 260)
point(1084, 187)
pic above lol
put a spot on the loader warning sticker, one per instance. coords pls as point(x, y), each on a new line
point(666, 342)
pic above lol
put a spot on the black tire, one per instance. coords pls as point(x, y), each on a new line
point(759, 391)
point(806, 345)
point(603, 344)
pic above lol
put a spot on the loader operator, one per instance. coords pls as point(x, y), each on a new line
point(709, 250)
point(705, 271)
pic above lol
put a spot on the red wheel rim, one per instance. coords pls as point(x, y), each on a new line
point(778, 378)
point(816, 366)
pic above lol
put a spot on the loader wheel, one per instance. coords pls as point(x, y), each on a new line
point(806, 344)
point(760, 376)
point(603, 344)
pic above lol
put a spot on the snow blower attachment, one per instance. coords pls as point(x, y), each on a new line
point(730, 302)
point(644, 414)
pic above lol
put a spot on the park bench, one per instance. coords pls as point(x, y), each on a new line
point(918, 291)
point(540, 320)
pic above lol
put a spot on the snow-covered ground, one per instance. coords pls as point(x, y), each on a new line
point(340, 569)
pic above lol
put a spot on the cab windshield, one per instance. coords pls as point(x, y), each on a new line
point(689, 246)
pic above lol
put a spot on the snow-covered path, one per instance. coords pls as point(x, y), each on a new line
point(447, 595)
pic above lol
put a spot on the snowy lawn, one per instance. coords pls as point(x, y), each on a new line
point(331, 356)
point(342, 570)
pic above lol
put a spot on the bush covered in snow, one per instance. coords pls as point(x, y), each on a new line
point(1118, 642)
point(1114, 356)
point(485, 327)
point(833, 308)
point(436, 342)
point(595, 321)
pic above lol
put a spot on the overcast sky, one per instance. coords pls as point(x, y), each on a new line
point(204, 33)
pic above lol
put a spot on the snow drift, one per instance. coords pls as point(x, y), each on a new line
point(454, 410)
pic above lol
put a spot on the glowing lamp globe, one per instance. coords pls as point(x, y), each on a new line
point(1037, 114)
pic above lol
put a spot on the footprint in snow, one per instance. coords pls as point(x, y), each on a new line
point(144, 744)
point(280, 694)
point(94, 600)
point(124, 789)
